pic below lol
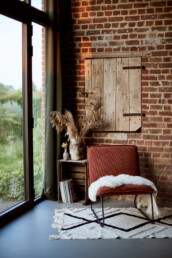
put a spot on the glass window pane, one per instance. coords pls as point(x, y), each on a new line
point(11, 114)
point(38, 4)
point(38, 106)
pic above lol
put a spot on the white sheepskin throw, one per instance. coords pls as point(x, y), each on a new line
point(122, 179)
point(115, 181)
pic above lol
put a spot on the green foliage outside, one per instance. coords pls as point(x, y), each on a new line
point(11, 143)
point(12, 184)
point(37, 157)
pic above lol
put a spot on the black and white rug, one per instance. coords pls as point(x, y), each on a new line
point(80, 223)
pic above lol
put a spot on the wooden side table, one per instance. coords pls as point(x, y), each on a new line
point(77, 170)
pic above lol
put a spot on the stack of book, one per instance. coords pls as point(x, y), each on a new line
point(67, 191)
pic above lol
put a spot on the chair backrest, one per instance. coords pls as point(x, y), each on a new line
point(112, 160)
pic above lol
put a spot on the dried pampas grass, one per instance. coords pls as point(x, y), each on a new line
point(79, 127)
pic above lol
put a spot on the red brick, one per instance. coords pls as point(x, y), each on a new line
point(133, 12)
point(107, 25)
point(100, 13)
point(125, 36)
point(114, 19)
point(124, 12)
point(108, 141)
point(132, 18)
point(149, 17)
point(99, 26)
point(157, 3)
point(132, 36)
point(132, 42)
point(100, 49)
point(83, 21)
point(108, 49)
point(99, 20)
point(85, 15)
point(150, 10)
point(141, 11)
point(141, 5)
point(142, 36)
point(167, 131)
point(124, 6)
point(158, 28)
point(93, 8)
point(160, 53)
point(108, 7)
point(78, 9)
point(93, 32)
point(108, 13)
point(169, 77)
point(116, 13)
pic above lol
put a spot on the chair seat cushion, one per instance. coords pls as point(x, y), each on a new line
point(128, 189)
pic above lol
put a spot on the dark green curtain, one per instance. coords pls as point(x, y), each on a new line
point(53, 99)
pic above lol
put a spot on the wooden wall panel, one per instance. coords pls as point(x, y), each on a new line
point(135, 93)
point(118, 90)
point(98, 82)
point(88, 77)
point(122, 96)
point(109, 94)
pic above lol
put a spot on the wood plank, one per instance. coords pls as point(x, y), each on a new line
point(98, 82)
point(79, 188)
point(77, 175)
point(109, 94)
point(78, 182)
point(135, 93)
point(88, 81)
point(75, 168)
point(114, 55)
point(122, 96)
point(88, 85)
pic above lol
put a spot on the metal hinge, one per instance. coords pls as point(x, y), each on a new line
point(134, 67)
point(86, 93)
point(134, 114)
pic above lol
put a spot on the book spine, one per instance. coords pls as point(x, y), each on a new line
point(67, 191)
point(70, 190)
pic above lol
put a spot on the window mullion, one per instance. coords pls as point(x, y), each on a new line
point(27, 110)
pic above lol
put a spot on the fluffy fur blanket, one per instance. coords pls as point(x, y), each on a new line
point(115, 181)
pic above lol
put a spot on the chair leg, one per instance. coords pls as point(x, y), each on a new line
point(101, 197)
point(152, 207)
point(150, 219)
point(100, 223)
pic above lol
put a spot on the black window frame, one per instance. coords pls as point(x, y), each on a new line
point(25, 13)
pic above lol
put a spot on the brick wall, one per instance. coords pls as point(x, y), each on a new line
point(117, 26)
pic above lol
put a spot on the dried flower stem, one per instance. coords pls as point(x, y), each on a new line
point(82, 125)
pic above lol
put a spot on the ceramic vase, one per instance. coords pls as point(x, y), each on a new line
point(65, 155)
point(77, 149)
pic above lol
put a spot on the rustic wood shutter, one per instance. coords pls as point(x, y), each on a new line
point(117, 82)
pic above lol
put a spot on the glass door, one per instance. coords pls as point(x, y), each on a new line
point(11, 114)
point(38, 105)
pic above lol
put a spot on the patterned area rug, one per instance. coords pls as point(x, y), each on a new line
point(80, 223)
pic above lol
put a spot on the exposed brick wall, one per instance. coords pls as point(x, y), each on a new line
point(113, 26)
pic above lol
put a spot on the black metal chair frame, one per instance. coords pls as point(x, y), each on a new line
point(151, 220)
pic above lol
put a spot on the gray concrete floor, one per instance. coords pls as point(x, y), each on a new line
point(27, 237)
